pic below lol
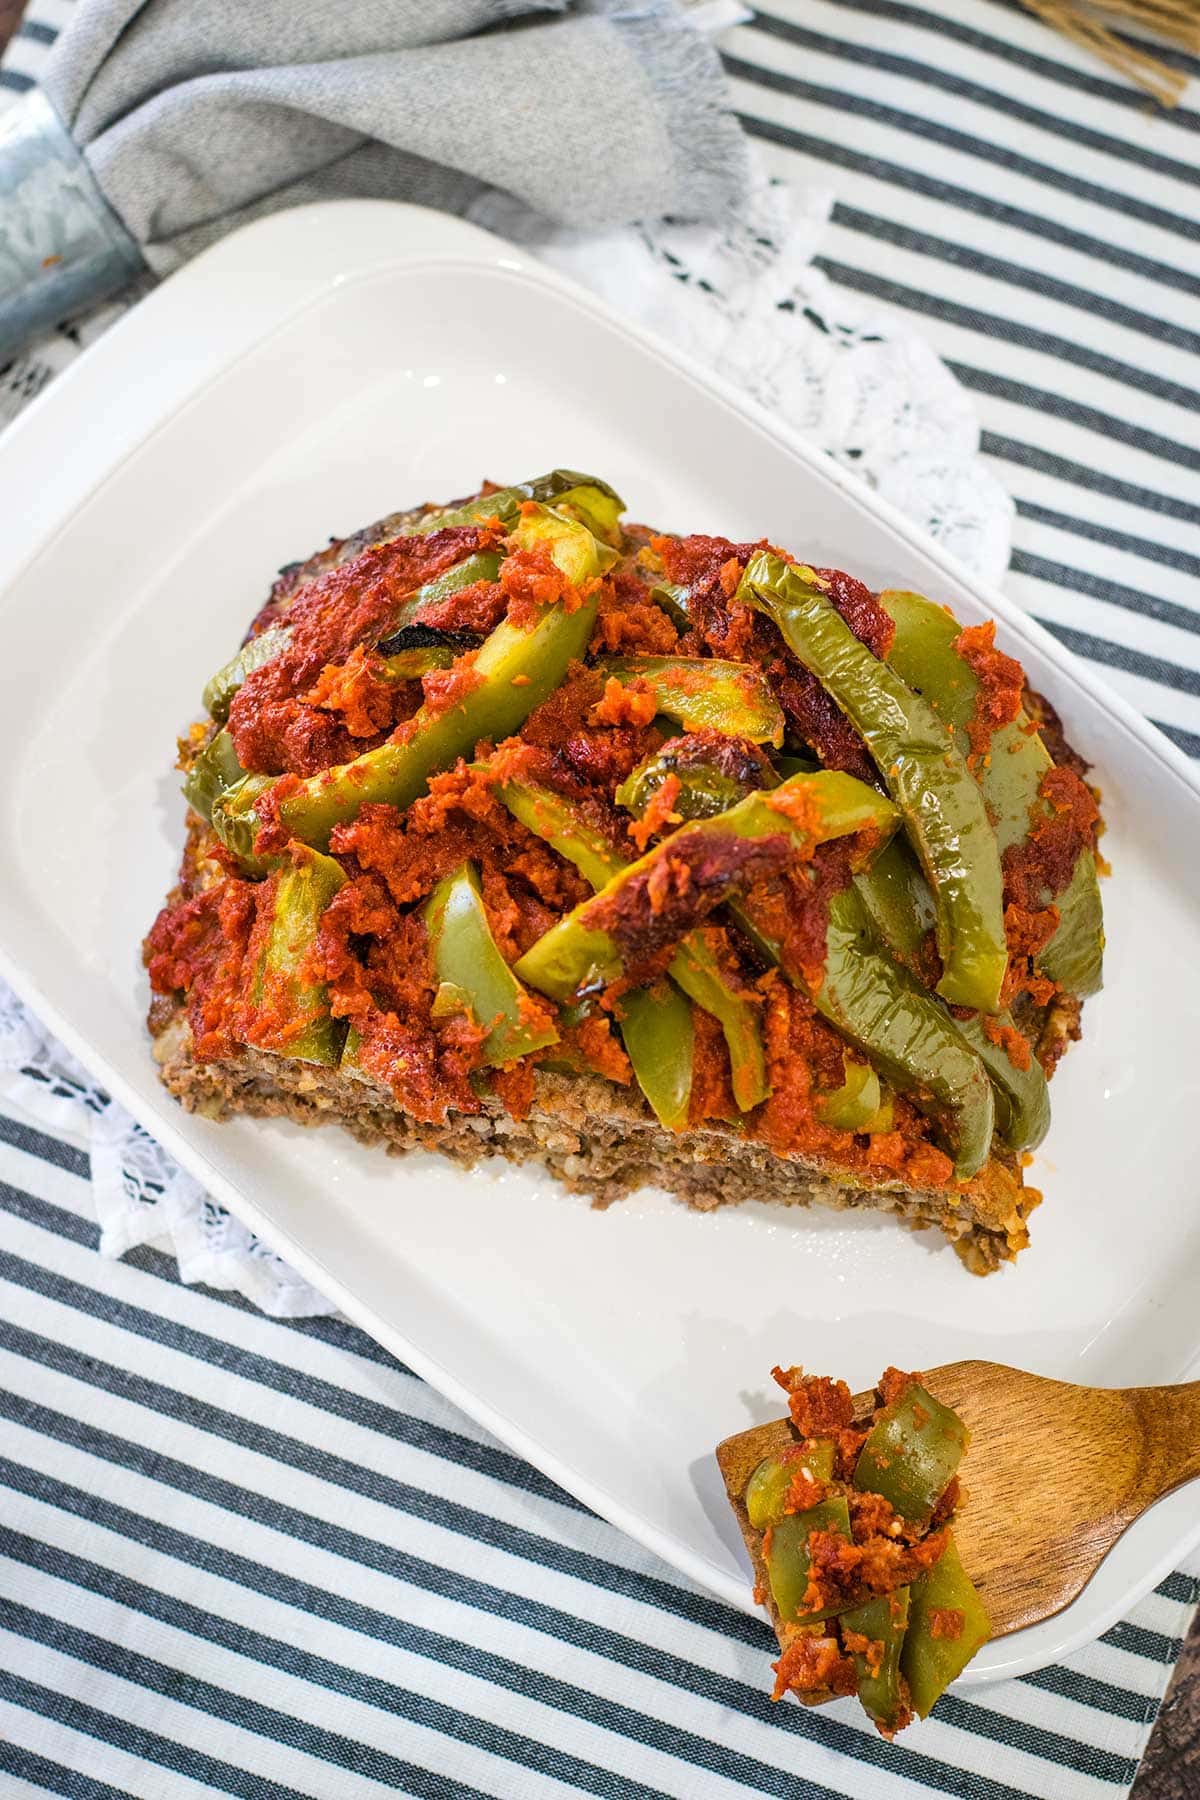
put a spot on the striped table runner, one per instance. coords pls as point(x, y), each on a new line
point(245, 1557)
point(1043, 220)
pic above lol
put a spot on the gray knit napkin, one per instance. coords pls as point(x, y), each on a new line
point(165, 123)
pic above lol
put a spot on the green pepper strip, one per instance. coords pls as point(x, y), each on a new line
point(219, 692)
point(1074, 957)
point(473, 976)
point(883, 1619)
point(787, 1557)
point(703, 790)
point(693, 968)
point(858, 1105)
point(584, 497)
point(483, 565)
point(895, 894)
point(902, 1029)
point(943, 810)
point(410, 665)
point(673, 600)
point(703, 693)
point(578, 953)
point(893, 1020)
point(300, 893)
point(215, 771)
point(236, 822)
point(516, 671)
point(1009, 777)
point(929, 1664)
point(911, 1453)
point(767, 1489)
point(659, 1038)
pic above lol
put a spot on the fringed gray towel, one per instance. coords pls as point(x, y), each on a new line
point(171, 121)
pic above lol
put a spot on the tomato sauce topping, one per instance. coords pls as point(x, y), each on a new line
point(1009, 1039)
point(274, 729)
point(1063, 823)
point(1001, 683)
point(648, 913)
point(629, 622)
point(369, 705)
point(470, 612)
point(199, 947)
point(728, 628)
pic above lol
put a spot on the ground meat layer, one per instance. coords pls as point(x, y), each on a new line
point(596, 1139)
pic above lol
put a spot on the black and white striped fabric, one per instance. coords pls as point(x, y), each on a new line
point(1043, 220)
point(245, 1557)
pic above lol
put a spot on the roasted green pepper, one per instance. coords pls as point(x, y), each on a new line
point(923, 654)
point(694, 968)
point(767, 1489)
point(673, 600)
point(417, 660)
point(579, 953)
point(911, 1453)
point(860, 1104)
point(883, 1620)
point(473, 977)
point(584, 497)
point(515, 670)
point(215, 770)
point(1074, 957)
point(483, 565)
point(707, 784)
point(659, 1038)
point(289, 1009)
point(236, 822)
point(786, 1554)
point(888, 1016)
point(893, 1020)
point(932, 1656)
point(703, 693)
point(943, 810)
point(256, 651)
point(896, 896)
point(576, 550)
point(218, 695)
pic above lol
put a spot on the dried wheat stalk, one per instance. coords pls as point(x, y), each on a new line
point(1096, 28)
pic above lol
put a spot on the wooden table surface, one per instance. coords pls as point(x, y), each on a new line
point(1171, 1767)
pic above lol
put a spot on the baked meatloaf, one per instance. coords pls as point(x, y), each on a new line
point(517, 829)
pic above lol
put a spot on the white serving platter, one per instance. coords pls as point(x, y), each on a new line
point(308, 374)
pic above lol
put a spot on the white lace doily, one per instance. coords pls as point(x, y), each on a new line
point(746, 301)
point(141, 1195)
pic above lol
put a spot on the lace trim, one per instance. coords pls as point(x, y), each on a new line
point(141, 1196)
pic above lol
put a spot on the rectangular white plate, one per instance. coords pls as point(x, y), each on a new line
point(307, 375)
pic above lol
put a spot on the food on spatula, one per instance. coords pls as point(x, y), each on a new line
point(848, 1515)
point(515, 829)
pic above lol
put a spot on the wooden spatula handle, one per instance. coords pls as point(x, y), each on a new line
point(1169, 1423)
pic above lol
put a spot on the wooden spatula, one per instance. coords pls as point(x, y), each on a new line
point(1053, 1475)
